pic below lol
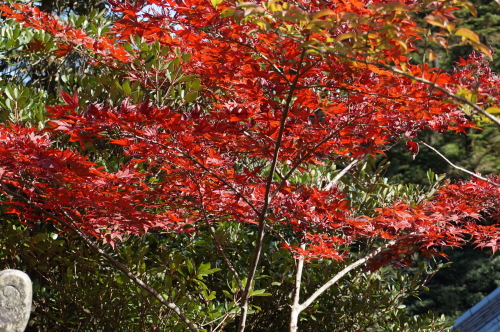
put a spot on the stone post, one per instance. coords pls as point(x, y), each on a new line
point(15, 300)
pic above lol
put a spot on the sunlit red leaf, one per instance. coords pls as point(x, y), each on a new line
point(72, 101)
point(412, 147)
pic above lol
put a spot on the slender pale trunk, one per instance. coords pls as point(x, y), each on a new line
point(296, 307)
point(294, 319)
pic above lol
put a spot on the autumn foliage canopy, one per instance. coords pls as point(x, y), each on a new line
point(224, 103)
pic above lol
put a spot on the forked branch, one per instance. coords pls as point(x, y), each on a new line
point(346, 270)
point(298, 308)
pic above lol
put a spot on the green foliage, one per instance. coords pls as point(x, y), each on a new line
point(472, 275)
point(371, 184)
point(19, 103)
point(30, 65)
point(486, 25)
point(31, 80)
point(75, 289)
point(443, 54)
point(371, 301)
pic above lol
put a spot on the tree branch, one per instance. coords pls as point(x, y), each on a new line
point(346, 270)
point(460, 168)
point(443, 90)
point(341, 174)
point(418, 79)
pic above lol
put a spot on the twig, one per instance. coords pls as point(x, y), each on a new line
point(341, 174)
point(460, 168)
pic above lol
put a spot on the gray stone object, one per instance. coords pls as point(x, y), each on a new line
point(15, 300)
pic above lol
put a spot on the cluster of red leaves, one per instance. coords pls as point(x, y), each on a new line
point(268, 97)
point(475, 75)
point(69, 186)
point(446, 220)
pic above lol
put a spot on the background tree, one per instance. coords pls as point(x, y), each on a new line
point(33, 68)
point(486, 25)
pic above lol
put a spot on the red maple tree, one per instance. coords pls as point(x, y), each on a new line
point(268, 89)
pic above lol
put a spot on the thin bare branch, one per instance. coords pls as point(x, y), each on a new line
point(460, 168)
point(341, 174)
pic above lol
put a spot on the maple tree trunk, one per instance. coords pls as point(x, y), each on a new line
point(294, 318)
point(267, 199)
